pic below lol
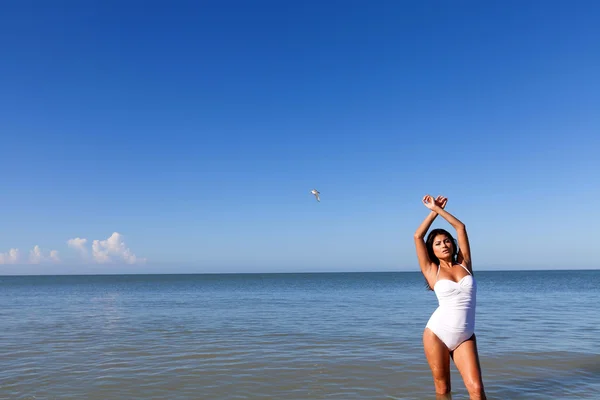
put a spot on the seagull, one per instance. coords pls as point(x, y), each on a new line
point(316, 193)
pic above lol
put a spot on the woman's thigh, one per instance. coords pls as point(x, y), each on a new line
point(438, 358)
point(466, 358)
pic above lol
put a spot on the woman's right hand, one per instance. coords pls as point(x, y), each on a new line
point(428, 201)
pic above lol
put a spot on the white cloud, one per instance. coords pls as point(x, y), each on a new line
point(37, 256)
point(11, 257)
point(106, 251)
point(54, 256)
point(112, 249)
point(102, 250)
point(79, 245)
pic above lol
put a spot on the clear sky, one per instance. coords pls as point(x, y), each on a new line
point(186, 136)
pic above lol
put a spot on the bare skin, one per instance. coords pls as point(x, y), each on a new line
point(465, 356)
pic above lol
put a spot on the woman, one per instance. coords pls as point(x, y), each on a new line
point(450, 330)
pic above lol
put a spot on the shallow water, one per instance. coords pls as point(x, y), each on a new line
point(292, 336)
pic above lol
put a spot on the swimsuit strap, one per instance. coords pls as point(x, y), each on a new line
point(438, 273)
point(466, 269)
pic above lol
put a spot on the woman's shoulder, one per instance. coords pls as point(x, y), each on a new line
point(466, 266)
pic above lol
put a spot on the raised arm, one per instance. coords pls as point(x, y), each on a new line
point(427, 266)
point(464, 253)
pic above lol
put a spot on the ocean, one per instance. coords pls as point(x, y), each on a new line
point(288, 336)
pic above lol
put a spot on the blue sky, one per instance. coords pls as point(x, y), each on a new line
point(196, 130)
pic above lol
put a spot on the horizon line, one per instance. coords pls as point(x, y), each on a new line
point(288, 272)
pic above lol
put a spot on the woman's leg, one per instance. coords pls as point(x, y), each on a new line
point(438, 358)
point(466, 358)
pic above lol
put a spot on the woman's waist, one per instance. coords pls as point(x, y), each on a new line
point(464, 305)
point(457, 311)
point(455, 319)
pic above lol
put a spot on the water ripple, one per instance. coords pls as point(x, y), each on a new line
point(335, 336)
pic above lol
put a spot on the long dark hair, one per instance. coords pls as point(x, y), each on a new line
point(429, 245)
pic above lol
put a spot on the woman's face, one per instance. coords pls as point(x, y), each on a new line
point(443, 247)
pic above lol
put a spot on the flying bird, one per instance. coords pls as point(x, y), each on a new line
point(316, 193)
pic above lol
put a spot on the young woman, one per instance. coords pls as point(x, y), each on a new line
point(450, 332)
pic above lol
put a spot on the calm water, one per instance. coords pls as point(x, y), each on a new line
point(288, 336)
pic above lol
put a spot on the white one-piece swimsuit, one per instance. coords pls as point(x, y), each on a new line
point(453, 321)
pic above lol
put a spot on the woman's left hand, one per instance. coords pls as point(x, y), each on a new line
point(441, 201)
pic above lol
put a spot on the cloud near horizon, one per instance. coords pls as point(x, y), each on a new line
point(112, 249)
point(36, 256)
point(79, 245)
point(105, 251)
